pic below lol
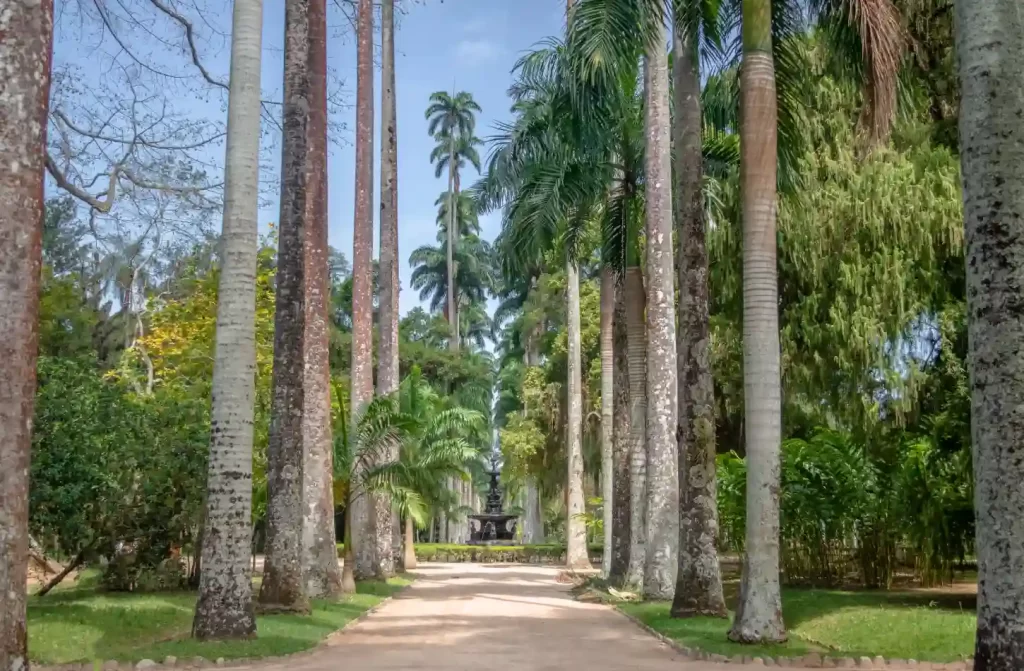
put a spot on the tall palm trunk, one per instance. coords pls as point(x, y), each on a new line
point(363, 519)
point(321, 573)
point(576, 556)
point(282, 588)
point(387, 367)
point(26, 41)
point(699, 582)
point(988, 40)
point(662, 406)
point(621, 508)
point(759, 613)
point(607, 411)
point(409, 546)
point(224, 608)
point(636, 334)
point(453, 233)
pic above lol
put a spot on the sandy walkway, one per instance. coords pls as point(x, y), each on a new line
point(473, 617)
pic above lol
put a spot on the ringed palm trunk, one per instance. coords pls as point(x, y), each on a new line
point(282, 588)
point(991, 62)
point(759, 612)
point(621, 508)
point(453, 300)
point(699, 582)
point(662, 407)
point(363, 519)
point(576, 555)
point(26, 40)
point(636, 334)
point(224, 608)
point(387, 367)
point(321, 573)
point(607, 412)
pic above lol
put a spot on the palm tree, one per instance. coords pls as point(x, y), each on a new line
point(26, 42)
point(363, 522)
point(991, 62)
point(224, 608)
point(472, 279)
point(466, 215)
point(321, 573)
point(282, 588)
point(452, 122)
point(387, 371)
point(607, 412)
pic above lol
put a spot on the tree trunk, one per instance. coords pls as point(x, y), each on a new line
point(576, 555)
point(282, 588)
point(607, 412)
point(321, 572)
point(699, 582)
point(409, 546)
point(26, 40)
point(348, 575)
point(621, 509)
point(75, 562)
point(453, 232)
point(363, 517)
point(224, 608)
point(988, 40)
point(662, 406)
point(759, 613)
point(636, 334)
point(533, 520)
point(387, 367)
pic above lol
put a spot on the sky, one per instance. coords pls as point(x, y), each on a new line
point(468, 45)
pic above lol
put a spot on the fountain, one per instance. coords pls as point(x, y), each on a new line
point(492, 526)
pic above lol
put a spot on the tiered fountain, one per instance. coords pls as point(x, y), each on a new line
point(492, 526)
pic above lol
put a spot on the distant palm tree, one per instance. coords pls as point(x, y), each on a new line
point(473, 275)
point(465, 213)
point(224, 608)
point(452, 122)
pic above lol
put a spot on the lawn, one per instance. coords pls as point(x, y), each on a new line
point(933, 627)
point(81, 624)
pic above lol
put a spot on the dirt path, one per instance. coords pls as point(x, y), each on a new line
point(473, 617)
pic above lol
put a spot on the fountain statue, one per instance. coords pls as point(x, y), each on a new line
point(492, 526)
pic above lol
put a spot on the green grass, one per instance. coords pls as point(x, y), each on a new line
point(897, 625)
point(80, 624)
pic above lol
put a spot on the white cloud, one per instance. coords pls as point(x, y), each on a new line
point(474, 52)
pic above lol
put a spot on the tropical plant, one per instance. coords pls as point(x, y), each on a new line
point(224, 608)
point(473, 278)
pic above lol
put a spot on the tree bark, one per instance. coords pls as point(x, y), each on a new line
point(991, 66)
point(699, 582)
point(363, 517)
point(607, 413)
point(75, 562)
point(662, 387)
point(533, 520)
point(759, 613)
point(409, 546)
point(321, 572)
point(26, 41)
point(283, 588)
point(348, 575)
point(636, 333)
point(576, 555)
point(224, 608)
point(387, 367)
point(622, 509)
point(453, 299)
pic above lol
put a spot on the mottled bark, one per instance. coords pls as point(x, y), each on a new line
point(409, 546)
point(636, 334)
point(759, 613)
point(282, 588)
point(621, 500)
point(699, 582)
point(533, 520)
point(26, 40)
point(387, 367)
point(662, 400)
point(607, 412)
point(576, 555)
point(224, 608)
point(321, 572)
point(348, 576)
point(363, 517)
point(990, 44)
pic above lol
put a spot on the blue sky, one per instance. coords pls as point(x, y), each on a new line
point(469, 44)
